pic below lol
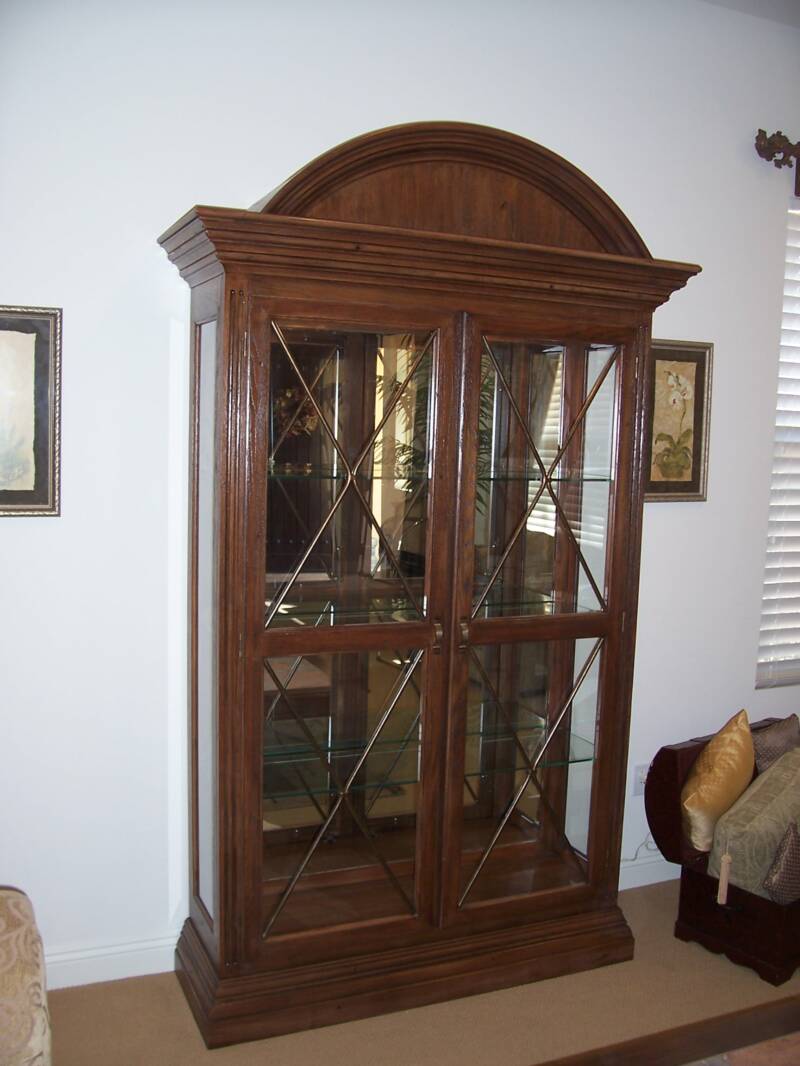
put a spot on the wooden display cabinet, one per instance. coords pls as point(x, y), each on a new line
point(416, 508)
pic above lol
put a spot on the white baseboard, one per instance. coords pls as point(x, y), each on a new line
point(110, 962)
point(647, 872)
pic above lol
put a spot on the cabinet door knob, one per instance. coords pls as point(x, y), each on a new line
point(463, 628)
point(438, 635)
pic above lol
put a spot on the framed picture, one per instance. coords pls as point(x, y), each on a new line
point(30, 410)
point(677, 420)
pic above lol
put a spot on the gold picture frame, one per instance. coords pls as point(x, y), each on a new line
point(677, 420)
point(30, 411)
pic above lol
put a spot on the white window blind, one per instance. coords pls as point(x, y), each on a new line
point(543, 519)
point(779, 642)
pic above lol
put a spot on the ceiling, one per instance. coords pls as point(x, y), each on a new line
point(785, 11)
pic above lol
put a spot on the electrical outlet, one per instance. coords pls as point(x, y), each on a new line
point(639, 778)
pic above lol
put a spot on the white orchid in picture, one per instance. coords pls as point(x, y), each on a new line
point(674, 459)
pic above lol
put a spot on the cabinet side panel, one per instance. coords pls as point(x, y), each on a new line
point(625, 543)
point(203, 611)
point(206, 616)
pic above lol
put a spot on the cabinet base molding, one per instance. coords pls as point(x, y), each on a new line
point(229, 1010)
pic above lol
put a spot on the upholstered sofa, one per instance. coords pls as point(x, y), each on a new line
point(24, 1018)
point(755, 837)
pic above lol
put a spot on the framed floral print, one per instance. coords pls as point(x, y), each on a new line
point(30, 410)
point(677, 420)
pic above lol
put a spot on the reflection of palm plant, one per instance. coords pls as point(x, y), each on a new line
point(411, 457)
point(676, 457)
point(486, 428)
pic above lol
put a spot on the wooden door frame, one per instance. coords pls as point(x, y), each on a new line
point(305, 311)
point(605, 826)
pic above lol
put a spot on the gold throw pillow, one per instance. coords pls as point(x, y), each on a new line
point(720, 774)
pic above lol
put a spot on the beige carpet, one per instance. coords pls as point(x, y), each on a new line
point(145, 1020)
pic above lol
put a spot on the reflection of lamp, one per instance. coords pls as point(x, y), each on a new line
point(779, 150)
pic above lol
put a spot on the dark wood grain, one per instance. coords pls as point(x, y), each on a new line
point(749, 930)
point(365, 255)
point(252, 1006)
point(616, 667)
point(452, 177)
point(455, 231)
point(696, 1041)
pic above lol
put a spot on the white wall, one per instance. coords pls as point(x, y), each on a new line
point(114, 120)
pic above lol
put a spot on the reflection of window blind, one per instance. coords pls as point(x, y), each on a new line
point(543, 519)
point(589, 524)
point(779, 639)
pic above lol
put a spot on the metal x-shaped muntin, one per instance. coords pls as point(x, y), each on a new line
point(350, 480)
point(532, 765)
point(339, 789)
point(546, 475)
point(342, 792)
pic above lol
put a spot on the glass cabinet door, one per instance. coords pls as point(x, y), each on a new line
point(342, 735)
point(543, 477)
point(357, 494)
point(350, 422)
point(531, 719)
point(534, 625)
point(350, 456)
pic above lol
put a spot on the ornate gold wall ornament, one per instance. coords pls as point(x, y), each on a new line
point(780, 151)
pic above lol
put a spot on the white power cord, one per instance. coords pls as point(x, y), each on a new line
point(648, 844)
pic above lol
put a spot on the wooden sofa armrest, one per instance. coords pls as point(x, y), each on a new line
point(662, 797)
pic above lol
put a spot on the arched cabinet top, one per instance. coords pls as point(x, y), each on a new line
point(458, 178)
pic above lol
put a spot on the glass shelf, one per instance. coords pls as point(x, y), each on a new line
point(522, 720)
point(496, 605)
point(386, 769)
point(510, 715)
point(385, 788)
point(308, 472)
point(382, 771)
point(602, 476)
point(319, 613)
point(293, 751)
point(579, 750)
